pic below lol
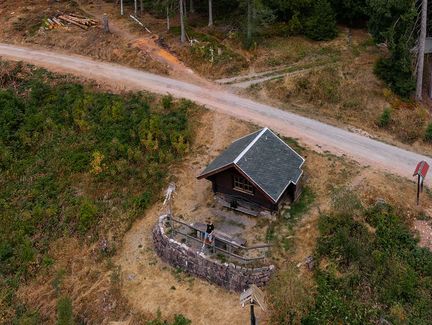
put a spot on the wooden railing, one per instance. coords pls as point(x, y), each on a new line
point(233, 249)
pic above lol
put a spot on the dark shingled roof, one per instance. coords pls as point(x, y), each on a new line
point(265, 158)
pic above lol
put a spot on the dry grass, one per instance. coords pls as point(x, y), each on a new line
point(21, 25)
point(348, 93)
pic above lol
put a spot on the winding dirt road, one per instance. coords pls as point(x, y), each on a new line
point(309, 132)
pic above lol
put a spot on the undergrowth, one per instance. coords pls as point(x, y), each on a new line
point(370, 269)
point(76, 162)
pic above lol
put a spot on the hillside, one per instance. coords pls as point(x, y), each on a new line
point(84, 164)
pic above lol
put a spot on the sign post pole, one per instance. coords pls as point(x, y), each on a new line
point(420, 171)
point(252, 314)
point(418, 189)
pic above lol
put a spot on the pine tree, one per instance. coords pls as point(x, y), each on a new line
point(322, 24)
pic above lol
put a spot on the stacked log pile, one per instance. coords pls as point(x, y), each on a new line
point(62, 20)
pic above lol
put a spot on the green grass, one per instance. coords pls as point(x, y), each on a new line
point(302, 205)
point(371, 275)
point(76, 162)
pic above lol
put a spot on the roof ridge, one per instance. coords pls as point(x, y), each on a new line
point(250, 145)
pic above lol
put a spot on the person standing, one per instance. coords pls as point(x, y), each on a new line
point(208, 235)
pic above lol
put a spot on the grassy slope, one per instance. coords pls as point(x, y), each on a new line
point(75, 162)
point(370, 268)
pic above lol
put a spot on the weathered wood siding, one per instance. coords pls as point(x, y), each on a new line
point(223, 183)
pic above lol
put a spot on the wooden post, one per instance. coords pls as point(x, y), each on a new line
point(105, 23)
point(421, 50)
point(252, 314)
point(121, 8)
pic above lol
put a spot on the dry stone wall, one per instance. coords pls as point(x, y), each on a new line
point(227, 275)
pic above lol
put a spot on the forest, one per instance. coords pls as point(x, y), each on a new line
point(393, 23)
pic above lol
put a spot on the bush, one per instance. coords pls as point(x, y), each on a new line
point(385, 118)
point(396, 72)
point(370, 267)
point(321, 25)
point(87, 216)
point(64, 311)
point(428, 133)
point(178, 320)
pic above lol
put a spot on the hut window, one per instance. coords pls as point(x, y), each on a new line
point(241, 184)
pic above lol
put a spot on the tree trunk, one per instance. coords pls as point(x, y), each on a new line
point(421, 52)
point(135, 8)
point(210, 5)
point(249, 22)
point(141, 8)
point(185, 8)
point(182, 26)
point(191, 6)
point(430, 77)
point(168, 18)
point(105, 23)
point(121, 8)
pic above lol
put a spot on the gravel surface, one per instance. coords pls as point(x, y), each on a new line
point(309, 132)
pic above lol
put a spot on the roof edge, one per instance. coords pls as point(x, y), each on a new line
point(214, 171)
point(250, 145)
point(289, 147)
point(254, 183)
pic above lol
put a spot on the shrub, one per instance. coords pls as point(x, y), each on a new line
point(385, 118)
point(167, 102)
point(87, 215)
point(396, 72)
point(428, 133)
point(64, 311)
point(370, 267)
point(295, 27)
point(322, 24)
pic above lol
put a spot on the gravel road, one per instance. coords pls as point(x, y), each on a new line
point(309, 132)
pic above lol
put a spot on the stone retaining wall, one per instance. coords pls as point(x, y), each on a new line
point(229, 276)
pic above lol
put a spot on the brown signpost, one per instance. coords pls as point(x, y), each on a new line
point(421, 172)
point(253, 296)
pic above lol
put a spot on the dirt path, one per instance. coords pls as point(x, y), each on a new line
point(146, 42)
point(310, 132)
point(245, 81)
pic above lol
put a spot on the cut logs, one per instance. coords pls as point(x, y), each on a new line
point(79, 21)
point(74, 19)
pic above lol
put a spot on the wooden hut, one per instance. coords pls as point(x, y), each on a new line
point(258, 171)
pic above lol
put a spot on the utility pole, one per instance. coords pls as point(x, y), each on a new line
point(182, 26)
point(421, 51)
point(210, 5)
